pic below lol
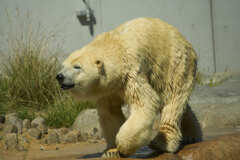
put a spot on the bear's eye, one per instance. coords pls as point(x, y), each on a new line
point(76, 67)
point(98, 62)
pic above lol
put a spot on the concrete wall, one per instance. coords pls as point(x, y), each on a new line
point(227, 34)
point(55, 15)
point(192, 18)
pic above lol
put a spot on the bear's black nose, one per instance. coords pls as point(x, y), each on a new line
point(60, 78)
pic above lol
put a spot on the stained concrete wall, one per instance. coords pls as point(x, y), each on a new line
point(192, 18)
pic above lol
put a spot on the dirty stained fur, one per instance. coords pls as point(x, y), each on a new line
point(147, 64)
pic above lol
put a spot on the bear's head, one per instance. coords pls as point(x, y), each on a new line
point(95, 70)
point(81, 73)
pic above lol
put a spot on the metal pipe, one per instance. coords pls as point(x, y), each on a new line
point(213, 35)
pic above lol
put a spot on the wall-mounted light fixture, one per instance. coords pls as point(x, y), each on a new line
point(86, 17)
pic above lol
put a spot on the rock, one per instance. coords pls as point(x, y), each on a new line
point(93, 141)
point(2, 118)
point(38, 121)
point(35, 133)
point(12, 119)
point(10, 141)
point(26, 124)
point(88, 125)
point(221, 148)
point(52, 137)
point(1, 126)
point(10, 128)
point(43, 129)
point(42, 148)
point(44, 141)
point(170, 156)
point(71, 137)
point(23, 143)
point(62, 131)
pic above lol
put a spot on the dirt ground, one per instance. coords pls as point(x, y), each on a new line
point(84, 150)
point(54, 152)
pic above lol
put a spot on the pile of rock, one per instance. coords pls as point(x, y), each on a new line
point(62, 135)
point(10, 126)
point(17, 134)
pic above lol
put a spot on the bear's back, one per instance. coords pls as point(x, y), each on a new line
point(158, 51)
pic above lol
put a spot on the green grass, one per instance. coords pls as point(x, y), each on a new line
point(3, 97)
point(26, 114)
point(65, 111)
point(27, 81)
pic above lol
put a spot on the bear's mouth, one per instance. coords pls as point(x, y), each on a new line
point(67, 86)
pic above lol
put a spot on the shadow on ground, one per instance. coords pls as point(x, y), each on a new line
point(225, 147)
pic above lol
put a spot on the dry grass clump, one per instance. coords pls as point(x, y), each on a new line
point(27, 80)
point(30, 66)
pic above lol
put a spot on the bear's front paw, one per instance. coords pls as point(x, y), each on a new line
point(111, 153)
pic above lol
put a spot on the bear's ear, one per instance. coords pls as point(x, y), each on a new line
point(100, 66)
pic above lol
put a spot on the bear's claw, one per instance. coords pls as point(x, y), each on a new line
point(111, 153)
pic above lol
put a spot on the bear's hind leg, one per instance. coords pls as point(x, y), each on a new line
point(111, 118)
point(170, 136)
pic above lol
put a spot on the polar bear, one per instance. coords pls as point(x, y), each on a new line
point(147, 64)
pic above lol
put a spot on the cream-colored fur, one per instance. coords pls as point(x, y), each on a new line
point(147, 64)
